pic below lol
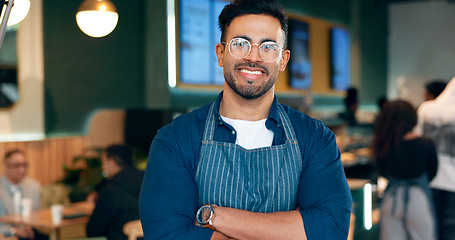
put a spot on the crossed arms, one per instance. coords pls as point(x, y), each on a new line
point(169, 199)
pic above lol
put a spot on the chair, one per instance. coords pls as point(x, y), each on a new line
point(133, 229)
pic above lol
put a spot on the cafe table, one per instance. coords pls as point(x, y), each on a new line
point(75, 218)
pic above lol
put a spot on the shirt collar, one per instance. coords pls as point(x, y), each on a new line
point(273, 114)
point(11, 186)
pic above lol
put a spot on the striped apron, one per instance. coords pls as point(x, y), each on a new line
point(259, 180)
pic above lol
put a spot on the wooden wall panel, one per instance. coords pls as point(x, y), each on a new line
point(47, 157)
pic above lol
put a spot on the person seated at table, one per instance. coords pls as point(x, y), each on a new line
point(117, 197)
point(15, 182)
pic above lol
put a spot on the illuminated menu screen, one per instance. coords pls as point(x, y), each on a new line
point(340, 59)
point(300, 65)
point(199, 35)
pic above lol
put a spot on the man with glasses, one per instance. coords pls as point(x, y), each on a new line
point(246, 167)
point(15, 186)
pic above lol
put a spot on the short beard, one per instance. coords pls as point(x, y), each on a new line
point(249, 92)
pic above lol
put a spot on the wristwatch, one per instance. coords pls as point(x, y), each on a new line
point(204, 215)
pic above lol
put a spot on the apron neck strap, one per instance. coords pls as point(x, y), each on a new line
point(210, 124)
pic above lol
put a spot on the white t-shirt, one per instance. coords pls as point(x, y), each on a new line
point(436, 120)
point(251, 134)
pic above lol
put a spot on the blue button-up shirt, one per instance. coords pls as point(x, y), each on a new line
point(169, 196)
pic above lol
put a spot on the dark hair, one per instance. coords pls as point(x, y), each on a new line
point(435, 87)
point(244, 7)
point(396, 119)
point(121, 154)
point(11, 152)
point(351, 97)
point(381, 102)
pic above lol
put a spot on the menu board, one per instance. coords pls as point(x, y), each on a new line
point(199, 35)
point(300, 73)
point(340, 59)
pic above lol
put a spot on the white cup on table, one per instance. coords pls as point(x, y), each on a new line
point(17, 201)
point(57, 213)
point(26, 207)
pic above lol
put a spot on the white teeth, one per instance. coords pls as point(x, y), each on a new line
point(251, 72)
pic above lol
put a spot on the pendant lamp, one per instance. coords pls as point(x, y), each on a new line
point(97, 18)
point(18, 12)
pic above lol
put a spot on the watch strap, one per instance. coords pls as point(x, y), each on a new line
point(209, 223)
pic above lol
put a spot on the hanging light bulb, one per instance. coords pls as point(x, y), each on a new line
point(97, 18)
point(18, 12)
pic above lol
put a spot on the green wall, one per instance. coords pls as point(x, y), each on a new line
point(372, 38)
point(128, 68)
point(84, 74)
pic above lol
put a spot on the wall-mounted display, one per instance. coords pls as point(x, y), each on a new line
point(300, 72)
point(198, 36)
point(340, 59)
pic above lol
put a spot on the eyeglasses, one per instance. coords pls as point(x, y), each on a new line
point(17, 165)
point(239, 48)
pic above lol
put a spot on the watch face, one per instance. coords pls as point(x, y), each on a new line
point(204, 214)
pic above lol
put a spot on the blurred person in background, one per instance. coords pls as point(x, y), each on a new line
point(437, 121)
point(16, 185)
point(434, 88)
point(381, 102)
point(351, 104)
point(117, 197)
point(408, 162)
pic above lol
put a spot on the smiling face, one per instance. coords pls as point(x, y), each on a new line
point(252, 77)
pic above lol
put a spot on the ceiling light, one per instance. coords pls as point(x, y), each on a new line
point(18, 12)
point(97, 18)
